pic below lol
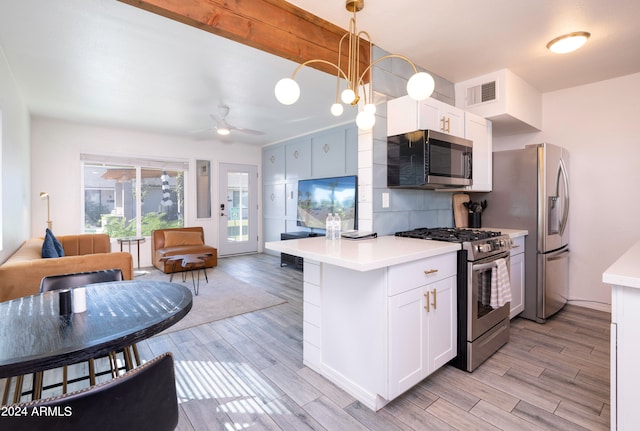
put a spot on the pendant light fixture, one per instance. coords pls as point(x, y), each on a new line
point(419, 87)
point(568, 42)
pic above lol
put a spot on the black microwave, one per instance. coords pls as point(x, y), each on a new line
point(429, 160)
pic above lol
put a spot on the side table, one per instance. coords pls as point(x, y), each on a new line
point(188, 263)
point(129, 240)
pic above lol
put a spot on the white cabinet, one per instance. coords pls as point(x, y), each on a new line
point(422, 322)
point(311, 315)
point(402, 116)
point(624, 277)
point(516, 274)
point(406, 115)
point(625, 355)
point(439, 116)
point(379, 332)
point(479, 130)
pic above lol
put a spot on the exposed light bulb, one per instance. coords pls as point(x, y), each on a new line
point(348, 96)
point(337, 109)
point(287, 91)
point(365, 120)
point(223, 131)
point(420, 86)
point(370, 108)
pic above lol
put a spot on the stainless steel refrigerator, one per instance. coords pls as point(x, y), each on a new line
point(531, 191)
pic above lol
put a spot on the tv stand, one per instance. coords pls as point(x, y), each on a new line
point(288, 259)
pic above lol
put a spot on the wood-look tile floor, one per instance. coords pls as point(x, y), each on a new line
point(246, 373)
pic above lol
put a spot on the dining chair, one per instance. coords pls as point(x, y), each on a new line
point(77, 279)
point(66, 281)
point(141, 399)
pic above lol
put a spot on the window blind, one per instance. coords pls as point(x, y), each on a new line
point(101, 159)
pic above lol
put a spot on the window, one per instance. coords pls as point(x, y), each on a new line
point(237, 206)
point(132, 198)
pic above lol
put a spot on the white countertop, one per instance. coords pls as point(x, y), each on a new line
point(364, 254)
point(626, 270)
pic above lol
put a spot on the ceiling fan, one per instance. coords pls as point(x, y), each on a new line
point(224, 128)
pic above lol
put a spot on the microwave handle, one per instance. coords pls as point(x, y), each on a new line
point(468, 161)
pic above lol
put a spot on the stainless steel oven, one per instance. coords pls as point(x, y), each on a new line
point(482, 329)
point(487, 327)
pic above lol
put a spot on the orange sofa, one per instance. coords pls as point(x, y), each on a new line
point(176, 241)
point(20, 275)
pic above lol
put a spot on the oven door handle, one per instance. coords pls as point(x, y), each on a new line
point(483, 266)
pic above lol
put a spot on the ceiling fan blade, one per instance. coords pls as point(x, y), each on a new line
point(248, 131)
point(196, 132)
point(221, 122)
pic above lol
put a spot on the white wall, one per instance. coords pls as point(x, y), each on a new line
point(598, 124)
point(14, 126)
point(56, 147)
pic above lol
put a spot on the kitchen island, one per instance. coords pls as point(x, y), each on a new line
point(624, 278)
point(379, 314)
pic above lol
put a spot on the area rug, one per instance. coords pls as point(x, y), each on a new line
point(223, 296)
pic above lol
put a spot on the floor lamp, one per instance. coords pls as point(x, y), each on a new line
point(44, 195)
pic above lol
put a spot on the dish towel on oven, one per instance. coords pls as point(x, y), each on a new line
point(500, 285)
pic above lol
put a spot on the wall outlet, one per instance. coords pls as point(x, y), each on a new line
point(385, 200)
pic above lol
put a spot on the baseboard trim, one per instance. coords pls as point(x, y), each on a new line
point(601, 306)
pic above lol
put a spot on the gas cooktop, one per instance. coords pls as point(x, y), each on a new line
point(449, 234)
point(479, 244)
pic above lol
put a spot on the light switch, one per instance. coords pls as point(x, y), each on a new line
point(385, 200)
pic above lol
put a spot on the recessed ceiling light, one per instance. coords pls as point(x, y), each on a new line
point(568, 42)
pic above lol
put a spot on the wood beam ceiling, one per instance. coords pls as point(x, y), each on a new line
point(273, 26)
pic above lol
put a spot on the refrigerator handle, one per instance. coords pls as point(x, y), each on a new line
point(562, 170)
point(558, 254)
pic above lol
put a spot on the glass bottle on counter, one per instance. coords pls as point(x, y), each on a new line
point(337, 226)
point(329, 227)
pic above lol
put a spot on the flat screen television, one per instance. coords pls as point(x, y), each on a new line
point(320, 196)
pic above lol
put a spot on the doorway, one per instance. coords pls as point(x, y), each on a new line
point(238, 209)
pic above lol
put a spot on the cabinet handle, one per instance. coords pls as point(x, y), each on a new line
point(515, 246)
point(446, 125)
point(430, 271)
point(296, 154)
point(426, 295)
point(434, 299)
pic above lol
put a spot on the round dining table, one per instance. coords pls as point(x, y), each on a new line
point(35, 337)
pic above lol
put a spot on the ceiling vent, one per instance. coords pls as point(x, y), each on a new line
point(507, 100)
point(481, 93)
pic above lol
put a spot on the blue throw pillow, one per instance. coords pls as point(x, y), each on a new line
point(56, 243)
point(48, 246)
